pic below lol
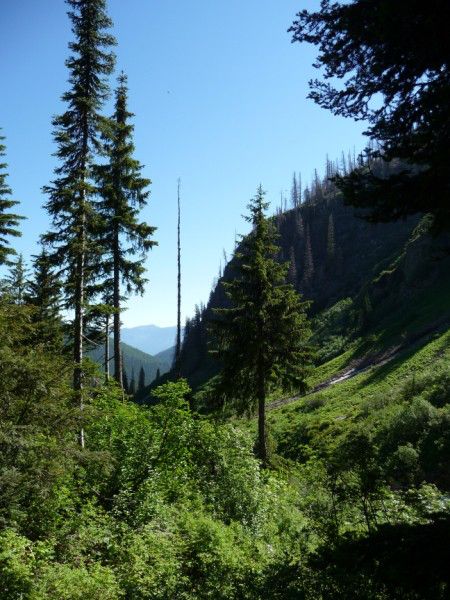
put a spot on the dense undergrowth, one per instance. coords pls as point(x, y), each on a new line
point(164, 503)
point(168, 501)
point(160, 504)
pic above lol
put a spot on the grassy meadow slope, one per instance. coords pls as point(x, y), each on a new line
point(400, 352)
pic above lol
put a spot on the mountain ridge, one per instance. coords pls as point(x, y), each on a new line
point(151, 339)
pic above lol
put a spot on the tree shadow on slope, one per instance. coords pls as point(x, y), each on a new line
point(396, 562)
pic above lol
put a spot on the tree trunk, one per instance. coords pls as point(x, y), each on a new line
point(79, 322)
point(106, 366)
point(178, 342)
point(116, 303)
point(262, 448)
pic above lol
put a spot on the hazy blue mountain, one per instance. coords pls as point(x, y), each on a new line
point(166, 356)
point(134, 359)
point(150, 338)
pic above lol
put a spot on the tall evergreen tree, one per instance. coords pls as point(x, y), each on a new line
point(295, 194)
point(44, 288)
point(124, 191)
point(178, 340)
point(141, 381)
point(331, 247)
point(43, 291)
point(132, 385)
point(107, 347)
point(126, 387)
point(299, 227)
point(9, 222)
point(292, 272)
point(308, 262)
point(16, 280)
point(262, 339)
point(77, 135)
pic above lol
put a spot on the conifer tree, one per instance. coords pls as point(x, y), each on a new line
point(306, 195)
point(299, 226)
point(295, 195)
point(107, 339)
point(124, 238)
point(308, 262)
point(107, 348)
point(43, 291)
point(141, 381)
point(317, 186)
point(331, 249)
point(44, 288)
point(9, 222)
point(76, 132)
point(16, 280)
point(126, 387)
point(132, 386)
point(262, 339)
point(178, 340)
point(292, 272)
point(392, 63)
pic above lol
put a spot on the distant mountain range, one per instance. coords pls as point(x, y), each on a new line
point(134, 359)
point(166, 356)
point(150, 338)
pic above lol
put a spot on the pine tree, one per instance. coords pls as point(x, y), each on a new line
point(292, 272)
point(9, 222)
point(308, 262)
point(141, 383)
point(299, 188)
point(44, 288)
point(126, 387)
point(306, 196)
point(16, 280)
point(295, 195)
point(262, 339)
point(299, 226)
point(76, 133)
point(43, 291)
point(132, 386)
point(107, 347)
point(124, 238)
point(98, 326)
point(178, 340)
point(316, 187)
point(331, 249)
point(394, 74)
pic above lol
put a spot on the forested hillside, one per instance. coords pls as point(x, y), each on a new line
point(150, 338)
point(336, 259)
point(133, 361)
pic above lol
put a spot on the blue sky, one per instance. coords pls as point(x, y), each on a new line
point(219, 94)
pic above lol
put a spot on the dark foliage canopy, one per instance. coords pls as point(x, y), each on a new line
point(392, 60)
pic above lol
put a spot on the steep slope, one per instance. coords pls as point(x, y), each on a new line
point(133, 360)
point(166, 356)
point(333, 256)
point(149, 338)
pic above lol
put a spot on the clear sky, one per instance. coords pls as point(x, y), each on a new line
point(219, 94)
